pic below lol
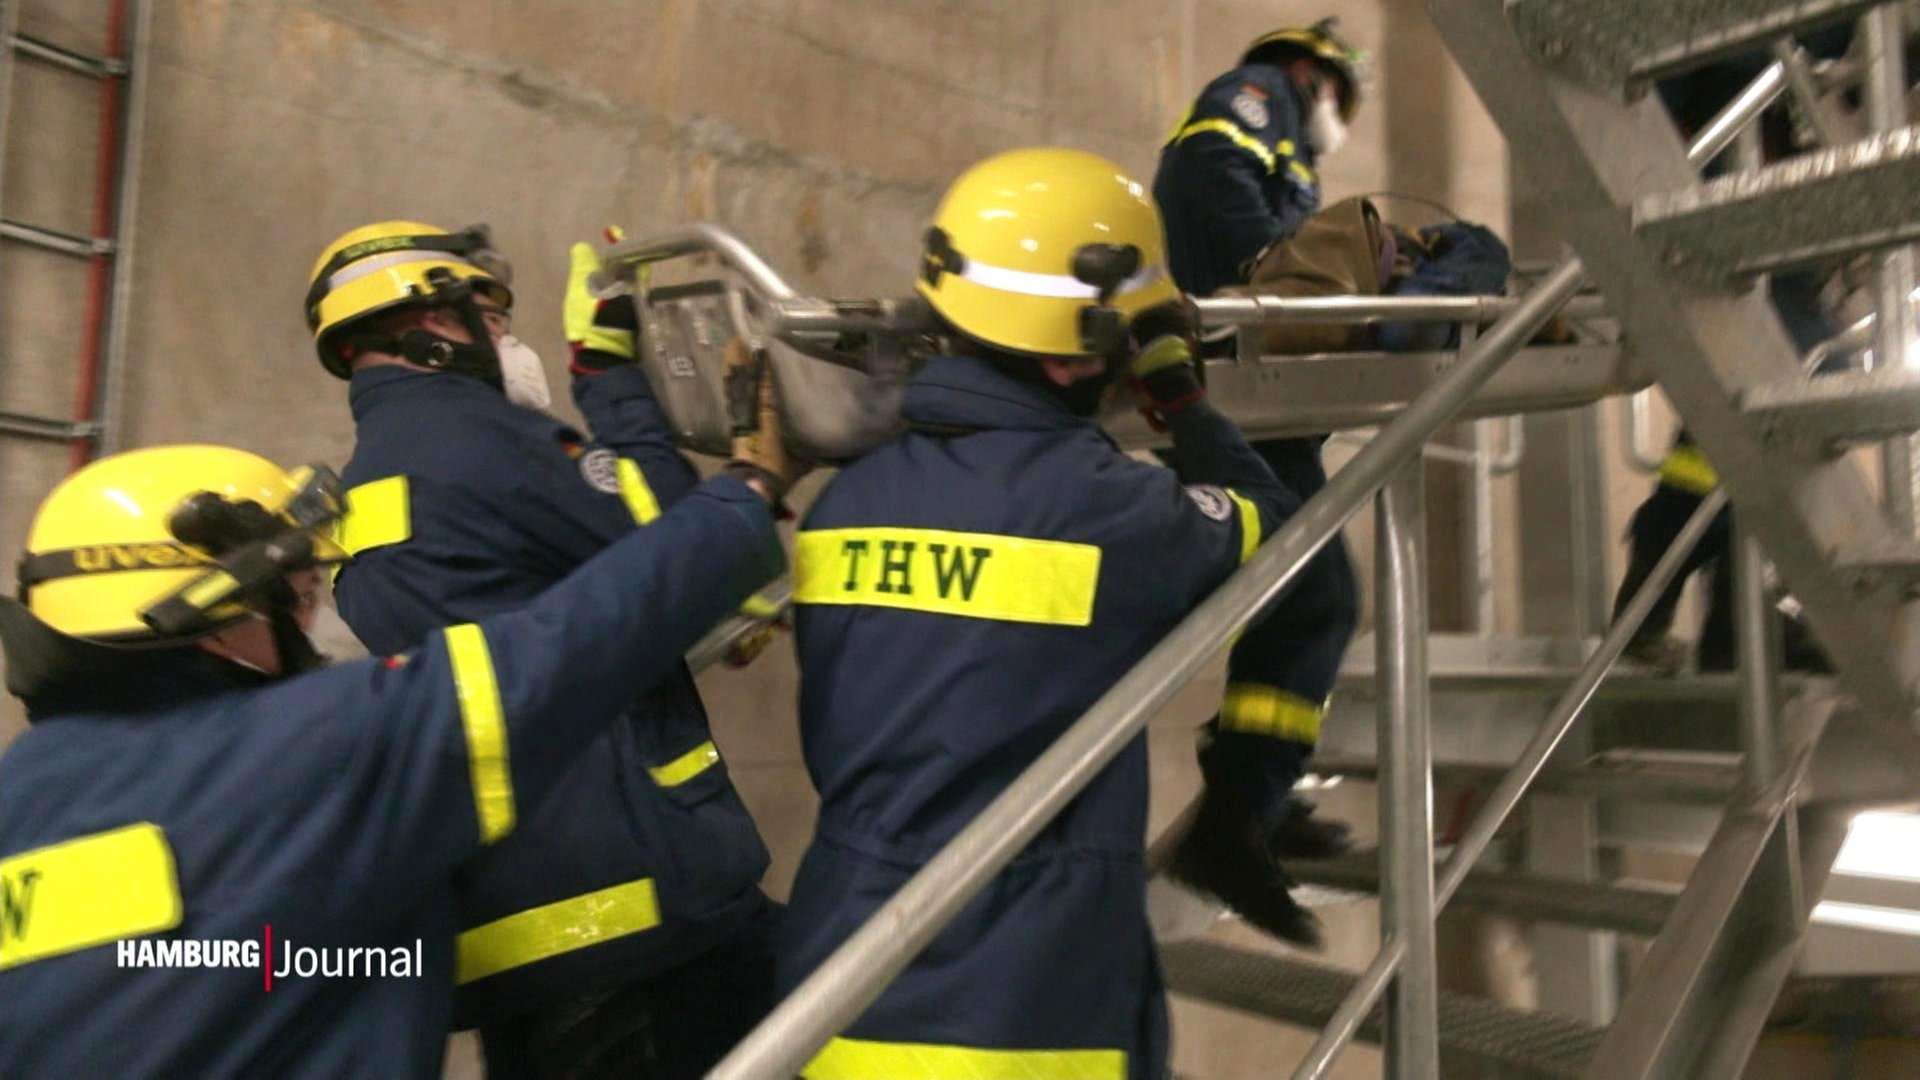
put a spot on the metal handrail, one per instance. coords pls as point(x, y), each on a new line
point(1219, 311)
point(623, 259)
point(854, 975)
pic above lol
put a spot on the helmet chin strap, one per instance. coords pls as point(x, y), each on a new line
point(476, 359)
point(430, 350)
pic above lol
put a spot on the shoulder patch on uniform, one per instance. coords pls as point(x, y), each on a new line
point(1251, 110)
point(600, 469)
point(396, 661)
point(1212, 501)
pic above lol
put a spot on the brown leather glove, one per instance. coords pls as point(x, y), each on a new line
point(759, 450)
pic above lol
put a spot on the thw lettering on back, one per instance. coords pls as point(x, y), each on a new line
point(16, 902)
point(956, 569)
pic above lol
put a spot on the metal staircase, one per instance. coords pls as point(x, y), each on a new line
point(1676, 256)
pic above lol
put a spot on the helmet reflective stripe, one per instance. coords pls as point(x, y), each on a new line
point(360, 268)
point(1059, 286)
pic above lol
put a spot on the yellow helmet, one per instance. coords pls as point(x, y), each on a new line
point(390, 263)
point(145, 532)
point(1045, 251)
point(1320, 43)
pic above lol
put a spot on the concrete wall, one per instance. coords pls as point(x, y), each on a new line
point(821, 130)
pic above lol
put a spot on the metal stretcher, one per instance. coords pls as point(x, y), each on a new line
point(841, 365)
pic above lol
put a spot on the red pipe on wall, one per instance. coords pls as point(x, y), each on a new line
point(100, 266)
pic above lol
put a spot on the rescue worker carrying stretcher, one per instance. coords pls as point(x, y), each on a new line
point(1236, 180)
point(621, 931)
point(966, 592)
point(191, 804)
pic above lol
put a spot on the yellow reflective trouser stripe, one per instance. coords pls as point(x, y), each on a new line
point(1236, 134)
point(861, 1059)
point(552, 929)
point(378, 514)
point(1253, 709)
point(485, 722)
point(686, 766)
point(1249, 524)
point(974, 575)
point(1687, 468)
point(85, 892)
point(633, 488)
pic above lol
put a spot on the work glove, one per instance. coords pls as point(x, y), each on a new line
point(1164, 376)
point(601, 332)
point(759, 450)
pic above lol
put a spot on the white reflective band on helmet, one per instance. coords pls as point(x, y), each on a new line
point(360, 268)
point(1060, 286)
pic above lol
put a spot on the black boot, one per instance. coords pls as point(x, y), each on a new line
point(1300, 835)
point(1801, 652)
point(1227, 854)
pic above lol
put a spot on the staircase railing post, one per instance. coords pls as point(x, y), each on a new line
point(1406, 778)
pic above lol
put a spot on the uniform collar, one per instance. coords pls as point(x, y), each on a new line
point(372, 385)
point(959, 391)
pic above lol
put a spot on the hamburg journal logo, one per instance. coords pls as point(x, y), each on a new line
point(280, 959)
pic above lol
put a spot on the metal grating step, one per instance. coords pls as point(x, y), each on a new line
point(1815, 412)
point(1824, 205)
point(1896, 565)
point(1616, 45)
point(1527, 896)
point(1649, 775)
point(1474, 1033)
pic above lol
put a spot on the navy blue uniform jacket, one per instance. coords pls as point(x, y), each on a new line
point(463, 505)
point(1236, 176)
point(168, 805)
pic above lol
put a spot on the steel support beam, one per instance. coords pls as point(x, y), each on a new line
point(1701, 997)
point(1893, 275)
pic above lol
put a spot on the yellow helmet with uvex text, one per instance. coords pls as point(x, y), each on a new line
point(166, 543)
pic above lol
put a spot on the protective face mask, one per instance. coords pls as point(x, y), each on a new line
point(521, 374)
point(1325, 130)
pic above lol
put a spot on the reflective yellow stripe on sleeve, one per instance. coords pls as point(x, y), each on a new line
point(862, 1059)
point(1234, 133)
point(1686, 468)
point(378, 514)
point(484, 719)
point(686, 766)
point(609, 340)
point(634, 490)
point(85, 892)
point(552, 929)
point(1250, 534)
point(973, 575)
point(1253, 709)
point(1300, 170)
